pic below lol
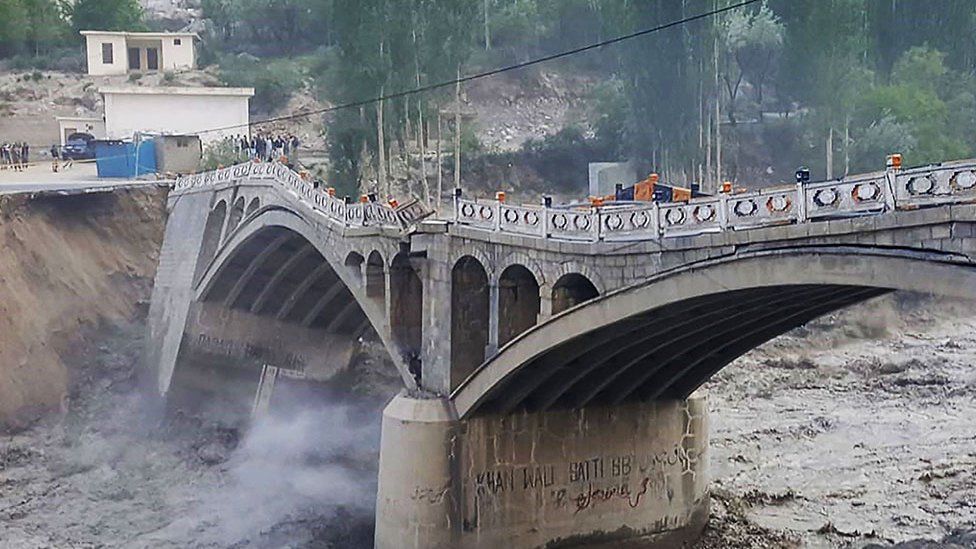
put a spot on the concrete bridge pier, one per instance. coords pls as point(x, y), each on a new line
point(600, 476)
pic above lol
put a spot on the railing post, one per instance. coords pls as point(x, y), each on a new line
point(801, 203)
point(546, 204)
point(498, 216)
point(891, 180)
point(723, 211)
point(657, 220)
point(457, 204)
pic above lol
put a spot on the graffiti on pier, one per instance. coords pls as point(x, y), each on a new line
point(250, 350)
point(579, 486)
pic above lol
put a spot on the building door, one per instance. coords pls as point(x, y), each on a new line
point(152, 59)
point(134, 59)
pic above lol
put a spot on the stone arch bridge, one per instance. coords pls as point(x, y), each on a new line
point(550, 356)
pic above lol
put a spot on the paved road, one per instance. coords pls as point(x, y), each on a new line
point(72, 187)
point(80, 178)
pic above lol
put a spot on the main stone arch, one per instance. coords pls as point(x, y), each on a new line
point(664, 337)
point(278, 292)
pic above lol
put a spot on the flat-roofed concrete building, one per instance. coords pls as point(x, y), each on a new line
point(211, 113)
point(70, 125)
point(115, 52)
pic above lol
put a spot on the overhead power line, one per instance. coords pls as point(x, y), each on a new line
point(486, 74)
point(493, 72)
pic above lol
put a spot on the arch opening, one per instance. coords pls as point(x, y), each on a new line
point(406, 309)
point(236, 214)
point(571, 290)
point(274, 300)
point(518, 302)
point(669, 351)
point(375, 277)
point(211, 238)
point(354, 263)
point(252, 206)
point(469, 317)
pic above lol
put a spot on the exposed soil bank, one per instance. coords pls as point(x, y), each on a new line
point(67, 265)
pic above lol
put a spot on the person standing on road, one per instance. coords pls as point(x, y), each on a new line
point(54, 158)
point(25, 154)
point(15, 156)
point(294, 142)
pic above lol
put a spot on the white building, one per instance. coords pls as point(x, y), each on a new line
point(68, 125)
point(211, 113)
point(112, 52)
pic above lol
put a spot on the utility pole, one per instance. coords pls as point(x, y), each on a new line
point(440, 162)
point(457, 131)
point(718, 125)
point(381, 174)
point(421, 127)
point(707, 180)
point(830, 153)
point(487, 28)
point(423, 152)
point(847, 145)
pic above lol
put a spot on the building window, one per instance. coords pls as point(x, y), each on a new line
point(107, 57)
point(182, 142)
point(177, 42)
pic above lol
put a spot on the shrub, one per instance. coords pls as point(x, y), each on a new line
point(274, 80)
point(62, 59)
point(222, 153)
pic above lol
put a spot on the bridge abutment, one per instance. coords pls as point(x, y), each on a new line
point(560, 478)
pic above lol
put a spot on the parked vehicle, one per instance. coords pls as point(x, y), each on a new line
point(78, 147)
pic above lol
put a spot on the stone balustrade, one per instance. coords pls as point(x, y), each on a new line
point(869, 194)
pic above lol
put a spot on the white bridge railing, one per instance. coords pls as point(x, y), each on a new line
point(358, 214)
point(869, 194)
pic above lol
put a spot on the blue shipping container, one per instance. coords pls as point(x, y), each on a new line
point(118, 158)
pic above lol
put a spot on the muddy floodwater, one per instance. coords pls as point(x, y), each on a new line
point(855, 431)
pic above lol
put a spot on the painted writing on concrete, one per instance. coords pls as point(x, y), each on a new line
point(586, 484)
point(277, 355)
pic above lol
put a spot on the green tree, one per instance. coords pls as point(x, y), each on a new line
point(918, 101)
point(898, 25)
point(13, 26)
point(270, 26)
point(46, 25)
point(752, 42)
point(107, 15)
point(385, 47)
point(660, 75)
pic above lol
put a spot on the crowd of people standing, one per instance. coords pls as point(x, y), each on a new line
point(267, 147)
point(14, 156)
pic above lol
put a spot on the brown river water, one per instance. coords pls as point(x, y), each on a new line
point(855, 431)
